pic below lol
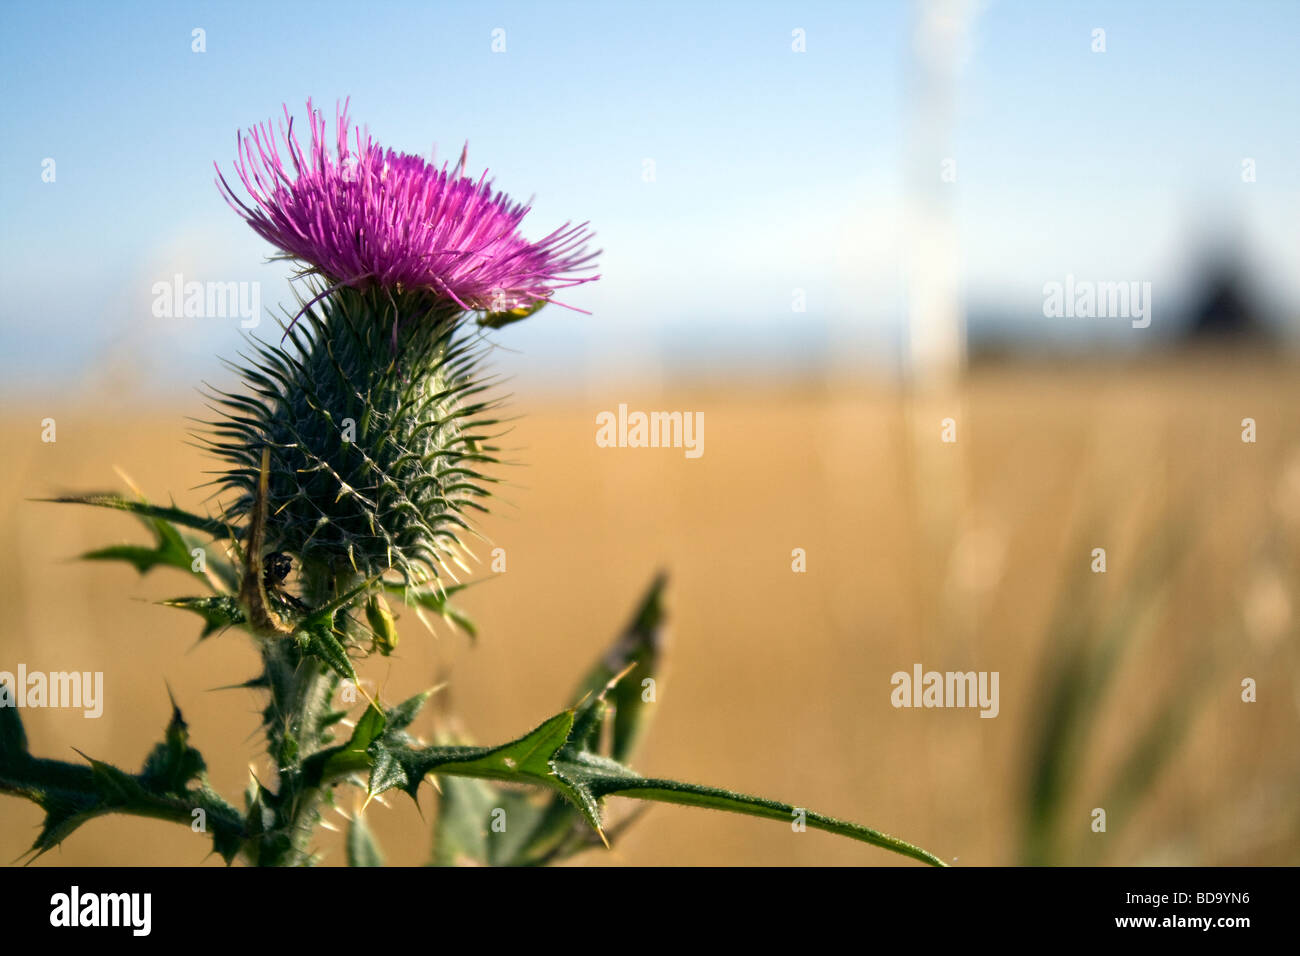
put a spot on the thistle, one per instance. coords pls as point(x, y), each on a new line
point(357, 454)
point(373, 413)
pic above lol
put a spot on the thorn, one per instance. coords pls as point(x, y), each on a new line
point(613, 681)
point(419, 613)
point(135, 489)
point(373, 702)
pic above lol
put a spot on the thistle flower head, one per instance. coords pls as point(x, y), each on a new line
point(363, 216)
point(370, 419)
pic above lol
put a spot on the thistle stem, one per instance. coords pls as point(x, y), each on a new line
point(301, 692)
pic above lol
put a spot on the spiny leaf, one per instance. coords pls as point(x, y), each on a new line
point(637, 656)
point(527, 760)
point(13, 739)
point(560, 755)
point(218, 611)
point(172, 547)
point(603, 778)
point(173, 763)
point(172, 786)
point(547, 756)
point(176, 516)
point(401, 716)
point(318, 641)
point(544, 828)
point(352, 757)
point(169, 550)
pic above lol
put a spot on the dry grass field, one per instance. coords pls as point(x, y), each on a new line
point(958, 556)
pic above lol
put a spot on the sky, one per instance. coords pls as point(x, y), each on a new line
point(780, 176)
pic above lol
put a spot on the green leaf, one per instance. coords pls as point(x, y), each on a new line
point(173, 763)
point(172, 515)
point(540, 829)
point(401, 716)
point(362, 848)
point(172, 548)
point(562, 755)
point(169, 550)
point(13, 739)
point(172, 786)
point(218, 611)
point(603, 778)
point(352, 756)
point(397, 765)
point(640, 647)
point(547, 757)
point(317, 640)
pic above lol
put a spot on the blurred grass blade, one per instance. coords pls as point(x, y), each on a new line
point(361, 845)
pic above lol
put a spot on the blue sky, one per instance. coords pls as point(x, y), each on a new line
point(774, 170)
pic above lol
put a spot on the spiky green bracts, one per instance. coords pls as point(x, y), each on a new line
point(377, 430)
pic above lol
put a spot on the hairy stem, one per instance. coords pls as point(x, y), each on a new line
point(301, 692)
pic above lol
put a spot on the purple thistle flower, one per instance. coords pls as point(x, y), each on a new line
point(366, 216)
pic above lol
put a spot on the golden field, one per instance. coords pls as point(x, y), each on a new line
point(972, 555)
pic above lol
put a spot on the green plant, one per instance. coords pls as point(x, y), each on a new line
point(1089, 643)
point(357, 454)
